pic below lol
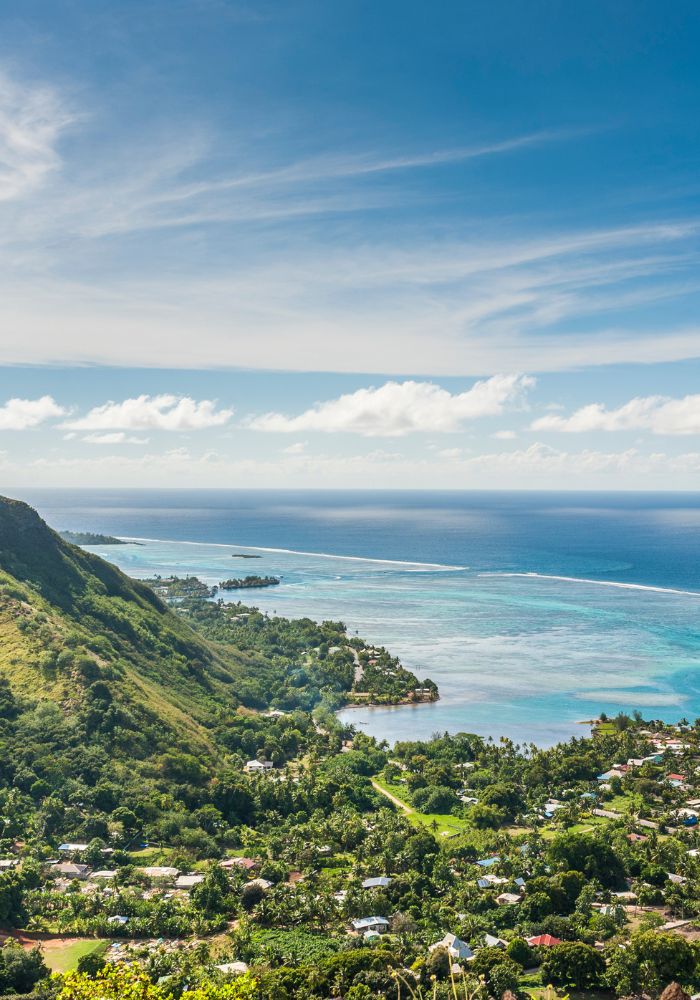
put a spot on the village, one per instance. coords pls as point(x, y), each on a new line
point(452, 858)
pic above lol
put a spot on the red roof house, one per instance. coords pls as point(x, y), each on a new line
point(543, 941)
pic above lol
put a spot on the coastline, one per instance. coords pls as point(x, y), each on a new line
point(510, 654)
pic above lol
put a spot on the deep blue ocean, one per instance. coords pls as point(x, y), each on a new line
point(532, 611)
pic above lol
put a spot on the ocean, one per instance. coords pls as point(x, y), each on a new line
point(532, 611)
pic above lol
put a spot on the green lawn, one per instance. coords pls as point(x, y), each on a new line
point(65, 958)
point(442, 826)
point(622, 803)
point(606, 729)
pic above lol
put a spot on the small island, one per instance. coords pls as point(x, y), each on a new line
point(249, 582)
point(92, 538)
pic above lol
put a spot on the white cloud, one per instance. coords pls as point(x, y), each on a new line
point(20, 414)
point(541, 459)
point(32, 119)
point(398, 408)
point(113, 437)
point(158, 413)
point(505, 435)
point(298, 448)
point(658, 414)
point(539, 466)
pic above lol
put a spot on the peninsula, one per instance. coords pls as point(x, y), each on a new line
point(92, 538)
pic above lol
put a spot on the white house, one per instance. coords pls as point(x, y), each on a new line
point(380, 925)
point(258, 766)
point(457, 949)
point(233, 968)
point(161, 873)
point(69, 870)
point(262, 883)
point(188, 881)
point(507, 899)
point(380, 882)
point(490, 941)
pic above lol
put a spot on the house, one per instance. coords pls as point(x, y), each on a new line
point(676, 879)
point(257, 766)
point(626, 897)
point(233, 968)
point(494, 942)
point(262, 883)
point(636, 838)
point(489, 881)
point(487, 862)
point(455, 947)
point(507, 899)
point(7, 863)
point(552, 805)
point(676, 780)
point(161, 873)
point(72, 848)
point(118, 920)
point(67, 869)
point(380, 882)
point(106, 875)
point(188, 881)
point(543, 941)
point(377, 925)
point(246, 863)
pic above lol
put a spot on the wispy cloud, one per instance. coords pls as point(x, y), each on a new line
point(205, 249)
point(338, 167)
point(399, 408)
point(32, 119)
point(539, 465)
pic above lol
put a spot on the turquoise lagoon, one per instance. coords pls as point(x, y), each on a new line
point(530, 613)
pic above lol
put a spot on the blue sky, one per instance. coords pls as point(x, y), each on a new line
point(394, 244)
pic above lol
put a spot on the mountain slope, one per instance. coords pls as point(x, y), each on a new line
point(77, 631)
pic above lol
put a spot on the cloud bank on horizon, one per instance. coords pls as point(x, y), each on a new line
point(479, 235)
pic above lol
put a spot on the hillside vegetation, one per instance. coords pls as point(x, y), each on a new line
point(76, 631)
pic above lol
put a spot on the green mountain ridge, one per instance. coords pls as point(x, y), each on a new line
point(77, 631)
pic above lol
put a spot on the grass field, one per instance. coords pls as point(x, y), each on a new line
point(64, 955)
point(440, 825)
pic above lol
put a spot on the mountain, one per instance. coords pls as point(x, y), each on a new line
point(76, 631)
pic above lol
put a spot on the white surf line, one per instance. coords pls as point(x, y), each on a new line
point(600, 583)
point(295, 552)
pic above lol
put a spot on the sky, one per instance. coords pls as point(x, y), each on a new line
point(350, 244)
